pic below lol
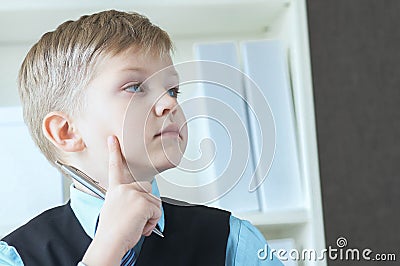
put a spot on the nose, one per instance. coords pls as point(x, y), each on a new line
point(165, 104)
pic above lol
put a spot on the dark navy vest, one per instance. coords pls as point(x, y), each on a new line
point(194, 235)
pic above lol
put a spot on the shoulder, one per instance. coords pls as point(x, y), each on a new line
point(9, 255)
point(244, 243)
point(41, 222)
point(27, 234)
point(243, 229)
point(55, 231)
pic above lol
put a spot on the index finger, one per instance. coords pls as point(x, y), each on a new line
point(117, 170)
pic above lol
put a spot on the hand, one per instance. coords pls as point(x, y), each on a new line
point(129, 211)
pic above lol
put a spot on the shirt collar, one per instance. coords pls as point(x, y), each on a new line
point(87, 208)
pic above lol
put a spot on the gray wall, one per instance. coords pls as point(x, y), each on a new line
point(356, 63)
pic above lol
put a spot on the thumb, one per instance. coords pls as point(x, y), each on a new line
point(116, 166)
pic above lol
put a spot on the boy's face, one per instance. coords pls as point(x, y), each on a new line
point(149, 124)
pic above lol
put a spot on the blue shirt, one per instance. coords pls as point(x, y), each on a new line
point(243, 244)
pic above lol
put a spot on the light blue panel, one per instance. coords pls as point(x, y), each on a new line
point(265, 62)
point(229, 133)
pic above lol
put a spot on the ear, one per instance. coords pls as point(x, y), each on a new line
point(59, 130)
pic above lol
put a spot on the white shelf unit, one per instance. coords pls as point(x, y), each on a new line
point(195, 21)
point(275, 218)
point(285, 20)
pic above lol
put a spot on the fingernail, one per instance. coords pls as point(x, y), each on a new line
point(110, 140)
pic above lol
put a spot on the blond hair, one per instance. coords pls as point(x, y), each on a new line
point(60, 65)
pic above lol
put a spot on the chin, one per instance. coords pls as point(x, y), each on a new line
point(169, 164)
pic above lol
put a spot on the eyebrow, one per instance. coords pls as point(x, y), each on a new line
point(140, 69)
point(137, 69)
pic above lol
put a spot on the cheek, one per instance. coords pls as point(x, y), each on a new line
point(133, 136)
point(184, 142)
point(136, 122)
point(97, 124)
point(135, 147)
point(181, 120)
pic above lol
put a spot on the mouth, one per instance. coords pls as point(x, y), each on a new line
point(172, 130)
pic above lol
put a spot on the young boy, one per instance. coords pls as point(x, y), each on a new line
point(83, 88)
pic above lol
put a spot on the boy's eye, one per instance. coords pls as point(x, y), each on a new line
point(134, 88)
point(173, 92)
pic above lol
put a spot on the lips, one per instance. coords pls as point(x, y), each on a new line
point(171, 130)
